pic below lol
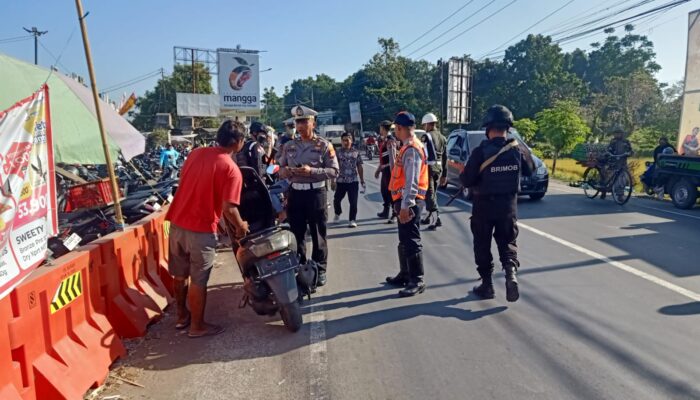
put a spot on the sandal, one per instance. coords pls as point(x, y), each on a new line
point(182, 325)
point(212, 331)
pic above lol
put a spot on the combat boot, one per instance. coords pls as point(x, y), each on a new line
point(427, 219)
point(384, 213)
point(512, 293)
point(485, 290)
point(415, 270)
point(438, 222)
point(401, 279)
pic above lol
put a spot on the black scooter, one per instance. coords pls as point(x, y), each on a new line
point(267, 256)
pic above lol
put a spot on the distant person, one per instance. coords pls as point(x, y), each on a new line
point(350, 177)
point(253, 153)
point(618, 151)
point(210, 185)
point(169, 157)
point(663, 144)
point(435, 146)
point(387, 156)
point(691, 144)
point(647, 177)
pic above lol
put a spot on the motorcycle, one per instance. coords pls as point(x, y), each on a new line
point(267, 257)
point(371, 151)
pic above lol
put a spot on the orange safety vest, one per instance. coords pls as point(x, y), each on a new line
point(398, 177)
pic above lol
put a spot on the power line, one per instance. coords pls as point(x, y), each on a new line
point(601, 19)
point(470, 28)
point(438, 24)
point(527, 29)
point(451, 29)
point(132, 81)
point(16, 39)
point(586, 15)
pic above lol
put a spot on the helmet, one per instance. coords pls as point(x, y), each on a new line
point(429, 118)
point(257, 127)
point(497, 114)
point(618, 129)
point(667, 150)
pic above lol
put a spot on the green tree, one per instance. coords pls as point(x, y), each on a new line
point(527, 129)
point(273, 110)
point(162, 98)
point(562, 127)
point(157, 138)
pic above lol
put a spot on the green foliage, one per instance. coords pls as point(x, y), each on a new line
point(162, 98)
point(157, 138)
point(527, 129)
point(562, 127)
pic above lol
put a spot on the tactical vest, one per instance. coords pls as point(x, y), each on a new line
point(244, 158)
point(503, 175)
point(398, 176)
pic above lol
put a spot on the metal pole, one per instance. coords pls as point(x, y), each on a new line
point(36, 50)
point(93, 82)
point(194, 78)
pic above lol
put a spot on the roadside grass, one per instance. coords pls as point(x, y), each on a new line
point(568, 170)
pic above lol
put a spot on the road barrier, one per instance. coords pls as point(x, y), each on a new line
point(60, 329)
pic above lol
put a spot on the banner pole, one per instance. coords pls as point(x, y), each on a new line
point(93, 83)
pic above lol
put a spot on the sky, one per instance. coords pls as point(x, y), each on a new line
point(304, 38)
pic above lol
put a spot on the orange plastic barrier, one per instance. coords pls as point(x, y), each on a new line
point(58, 340)
point(10, 374)
point(154, 246)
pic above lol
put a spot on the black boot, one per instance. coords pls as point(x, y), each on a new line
point(485, 290)
point(437, 223)
point(415, 271)
point(401, 279)
point(384, 213)
point(426, 220)
point(512, 293)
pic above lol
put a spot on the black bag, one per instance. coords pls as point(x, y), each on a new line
point(307, 278)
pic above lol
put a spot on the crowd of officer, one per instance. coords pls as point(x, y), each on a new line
point(410, 170)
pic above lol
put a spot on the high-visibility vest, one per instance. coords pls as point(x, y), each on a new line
point(398, 177)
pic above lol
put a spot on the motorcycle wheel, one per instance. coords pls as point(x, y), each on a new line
point(291, 316)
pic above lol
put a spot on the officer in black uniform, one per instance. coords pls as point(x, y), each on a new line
point(492, 173)
point(308, 161)
point(253, 153)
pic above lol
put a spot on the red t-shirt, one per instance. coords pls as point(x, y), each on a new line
point(207, 180)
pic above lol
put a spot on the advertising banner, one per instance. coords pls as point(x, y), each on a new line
point(689, 134)
point(459, 91)
point(27, 188)
point(239, 81)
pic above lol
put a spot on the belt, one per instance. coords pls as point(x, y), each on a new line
point(309, 186)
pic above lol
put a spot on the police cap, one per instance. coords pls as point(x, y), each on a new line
point(405, 118)
point(303, 112)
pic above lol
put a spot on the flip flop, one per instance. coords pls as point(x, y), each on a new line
point(215, 330)
point(182, 325)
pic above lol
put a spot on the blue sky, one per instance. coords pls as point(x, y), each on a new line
point(302, 37)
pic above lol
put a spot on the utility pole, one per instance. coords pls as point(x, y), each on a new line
point(36, 33)
point(194, 76)
point(103, 133)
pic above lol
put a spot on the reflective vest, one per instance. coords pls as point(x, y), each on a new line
point(398, 177)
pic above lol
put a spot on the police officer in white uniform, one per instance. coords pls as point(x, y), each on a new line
point(308, 162)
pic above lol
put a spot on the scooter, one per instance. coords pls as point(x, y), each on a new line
point(267, 257)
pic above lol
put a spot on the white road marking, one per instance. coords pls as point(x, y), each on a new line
point(668, 211)
point(319, 356)
point(619, 265)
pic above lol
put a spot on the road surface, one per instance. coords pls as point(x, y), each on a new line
point(610, 309)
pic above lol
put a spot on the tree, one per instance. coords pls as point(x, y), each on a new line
point(562, 127)
point(273, 110)
point(162, 98)
point(156, 139)
point(527, 129)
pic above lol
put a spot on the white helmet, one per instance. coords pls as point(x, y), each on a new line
point(429, 118)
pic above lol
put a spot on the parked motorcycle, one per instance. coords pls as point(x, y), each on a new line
point(267, 257)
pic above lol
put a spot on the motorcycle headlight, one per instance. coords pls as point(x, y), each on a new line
point(542, 170)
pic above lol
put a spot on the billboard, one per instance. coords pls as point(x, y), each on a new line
point(689, 133)
point(239, 81)
point(355, 113)
point(459, 91)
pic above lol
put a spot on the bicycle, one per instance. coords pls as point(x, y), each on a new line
point(619, 183)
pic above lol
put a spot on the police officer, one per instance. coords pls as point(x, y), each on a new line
point(435, 144)
point(253, 154)
point(308, 161)
point(493, 175)
point(408, 186)
point(387, 155)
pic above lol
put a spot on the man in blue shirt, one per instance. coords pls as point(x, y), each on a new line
point(169, 157)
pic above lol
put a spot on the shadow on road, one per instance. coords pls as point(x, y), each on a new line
point(681, 309)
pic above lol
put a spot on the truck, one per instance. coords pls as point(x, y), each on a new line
point(680, 174)
point(332, 133)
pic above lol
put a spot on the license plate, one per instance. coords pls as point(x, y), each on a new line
point(276, 265)
point(72, 241)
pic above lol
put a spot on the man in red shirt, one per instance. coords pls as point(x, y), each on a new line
point(210, 184)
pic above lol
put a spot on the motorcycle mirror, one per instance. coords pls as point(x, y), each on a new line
point(272, 169)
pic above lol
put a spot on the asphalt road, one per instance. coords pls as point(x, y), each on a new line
point(609, 309)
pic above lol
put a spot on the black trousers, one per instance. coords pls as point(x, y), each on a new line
point(308, 208)
point(505, 231)
point(431, 203)
point(384, 187)
point(352, 189)
point(409, 233)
